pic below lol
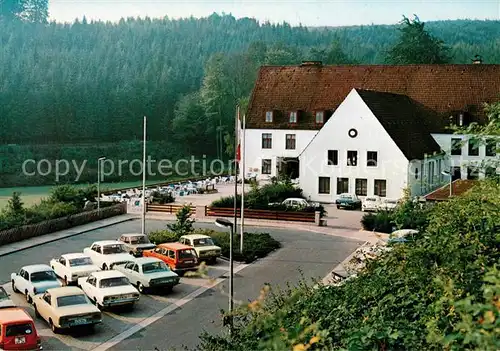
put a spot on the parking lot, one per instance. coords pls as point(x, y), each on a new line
point(175, 319)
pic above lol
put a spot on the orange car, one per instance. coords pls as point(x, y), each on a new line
point(179, 257)
point(17, 330)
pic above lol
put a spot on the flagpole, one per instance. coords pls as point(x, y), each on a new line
point(236, 142)
point(242, 153)
point(144, 181)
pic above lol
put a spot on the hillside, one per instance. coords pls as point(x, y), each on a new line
point(92, 82)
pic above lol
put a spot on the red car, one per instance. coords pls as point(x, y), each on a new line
point(179, 257)
point(17, 330)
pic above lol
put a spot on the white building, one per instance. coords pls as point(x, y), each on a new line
point(300, 119)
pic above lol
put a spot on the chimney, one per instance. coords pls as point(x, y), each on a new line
point(477, 60)
point(311, 63)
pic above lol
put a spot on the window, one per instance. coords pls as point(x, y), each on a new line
point(333, 157)
point(473, 147)
point(456, 146)
point(456, 173)
point(472, 172)
point(324, 185)
point(266, 166)
point(490, 172)
point(342, 185)
point(267, 141)
point(380, 187)
point(320, 117)
point(416, 173)
point(361, 187)
point(352, 158)
point(371, 158)
point(293, 117)
point(491, 147)
point(269, 116)
point(290, 142)
point(430, 171)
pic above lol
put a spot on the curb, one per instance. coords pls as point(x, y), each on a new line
point(66, 236)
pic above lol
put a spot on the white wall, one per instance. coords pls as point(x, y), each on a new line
point(353, 113)
point(464, 160)
point(254, 153)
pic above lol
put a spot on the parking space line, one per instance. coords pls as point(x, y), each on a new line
point(169, 309)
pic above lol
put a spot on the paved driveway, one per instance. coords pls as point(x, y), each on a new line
point(177, 319)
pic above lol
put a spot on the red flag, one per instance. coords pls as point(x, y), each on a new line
point(238, 153)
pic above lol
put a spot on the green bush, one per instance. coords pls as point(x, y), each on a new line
point(381, 222)
point(438, 292)
point(255, 245)
point(163, 236)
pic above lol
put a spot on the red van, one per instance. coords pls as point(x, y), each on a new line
point(179, 257)
point(17, 330)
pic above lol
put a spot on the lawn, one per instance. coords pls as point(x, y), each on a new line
point(32, 194)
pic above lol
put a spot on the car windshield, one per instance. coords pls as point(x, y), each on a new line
point(370, 199)
point(154, 267)
point(203, 242)
point(18, 329)
point(3, 294)
point(81, 261)
point(71, 300)
point(187, 254)
point(112, 282)
point(113, 249)
point(345, 196)
point(43, 276)
point(134, 240)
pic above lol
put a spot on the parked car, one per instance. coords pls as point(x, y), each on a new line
point(108, 253)
point(65, 308)
point(203, 245)
point(370, 203)
point(388, 204)
point(5, 300)
point(136, 243)
point(295, 202)
point(34, 279)
point(179, 257)
point(70, 267)
point(108, 289)
point(149, 273)
point(348, 201)
point(17, 330)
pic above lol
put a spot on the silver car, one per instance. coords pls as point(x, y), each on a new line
point(149, 273)
point(136, 243)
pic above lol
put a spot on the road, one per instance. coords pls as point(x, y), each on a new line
point(176, 319)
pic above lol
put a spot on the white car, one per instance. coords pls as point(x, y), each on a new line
point(70, 267)
point(5, 300)
point(108, 289)
point(370, 203)
point(33, 280)
point(387, 204)
point(105, 254)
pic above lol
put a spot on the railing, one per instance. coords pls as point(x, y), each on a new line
point(167, 208)
point(296, 216)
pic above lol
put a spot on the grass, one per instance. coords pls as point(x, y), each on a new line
point(33, 194)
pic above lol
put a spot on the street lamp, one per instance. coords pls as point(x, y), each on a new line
point(224, 223)
point(446, 173)
point(99, 182)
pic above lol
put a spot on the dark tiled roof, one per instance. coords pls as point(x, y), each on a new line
point(406, 122)
point(445, 89)
point(458, 187)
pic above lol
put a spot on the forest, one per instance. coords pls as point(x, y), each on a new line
point(80, 90)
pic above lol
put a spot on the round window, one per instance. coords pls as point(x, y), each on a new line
point(353, 133)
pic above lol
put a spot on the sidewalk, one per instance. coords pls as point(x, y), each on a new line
point(43, 239)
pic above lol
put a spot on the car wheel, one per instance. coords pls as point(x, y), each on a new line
point(65, 281)
point(14, 287)
point(338, 207)
point(98, 305)
point(141, 288)
point(55, 330)
point(104, 267)
point(28, 297)
point(169, 289)
point(37, 314)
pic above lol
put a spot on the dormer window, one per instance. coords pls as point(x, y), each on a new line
point(269, 116)
point(293, 117)
point(320, 117)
